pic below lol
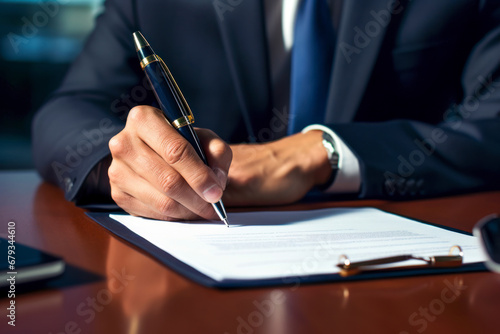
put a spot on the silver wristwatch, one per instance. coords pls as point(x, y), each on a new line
point(333, 158)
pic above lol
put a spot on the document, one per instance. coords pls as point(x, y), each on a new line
point(263, 245)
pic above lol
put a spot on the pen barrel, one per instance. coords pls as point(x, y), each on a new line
point(163, 91)
point(170, 105)
point(171, 102)
point(190, 135)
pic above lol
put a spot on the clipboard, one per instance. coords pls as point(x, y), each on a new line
point(189, 272)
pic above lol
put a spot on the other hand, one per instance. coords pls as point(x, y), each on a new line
point(278, 172)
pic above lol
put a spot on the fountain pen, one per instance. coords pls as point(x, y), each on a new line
point(171, 102)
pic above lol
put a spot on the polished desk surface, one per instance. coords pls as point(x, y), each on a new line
point(136, 294)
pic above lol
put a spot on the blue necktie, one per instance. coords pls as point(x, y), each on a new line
point(312, 55)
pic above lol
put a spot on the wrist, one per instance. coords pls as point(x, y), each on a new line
point(302, 153)
point(319, 165)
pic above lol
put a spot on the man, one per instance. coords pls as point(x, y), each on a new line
point(411, 106)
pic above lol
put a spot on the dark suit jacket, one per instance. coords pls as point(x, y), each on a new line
point(417, 98)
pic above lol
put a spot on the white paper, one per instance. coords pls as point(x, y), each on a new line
point(279, 244)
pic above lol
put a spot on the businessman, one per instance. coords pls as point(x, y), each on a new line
point(374, 98)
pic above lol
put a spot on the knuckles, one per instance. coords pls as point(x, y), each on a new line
point(165, 206)
point(170, 183)
point(114, 174)
point(120, 198)
point(119, 145)
point(138, 114)
point(176, 151)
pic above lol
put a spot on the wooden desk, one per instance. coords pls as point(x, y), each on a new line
point(138, 295)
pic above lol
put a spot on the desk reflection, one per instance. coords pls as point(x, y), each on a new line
point(141, 284)
point(484, 297)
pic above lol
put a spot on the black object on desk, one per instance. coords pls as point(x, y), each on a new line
point(23, 264)
point(488, 232)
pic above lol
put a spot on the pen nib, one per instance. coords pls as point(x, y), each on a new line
point(225, 222)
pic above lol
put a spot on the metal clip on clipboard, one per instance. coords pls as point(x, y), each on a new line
point(348, 268)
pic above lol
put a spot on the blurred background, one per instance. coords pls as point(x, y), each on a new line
point(38, 41)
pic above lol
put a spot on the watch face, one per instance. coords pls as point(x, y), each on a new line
point(333, 155)
point(329, 148)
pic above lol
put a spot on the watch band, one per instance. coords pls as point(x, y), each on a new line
point(333, 159)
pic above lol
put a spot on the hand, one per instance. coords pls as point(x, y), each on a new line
point(279, 172)
point(156, 173)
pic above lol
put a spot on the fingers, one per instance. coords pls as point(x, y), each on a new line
point(146, 200)
point(156, 173)
point(155, 132)
point(162, 180)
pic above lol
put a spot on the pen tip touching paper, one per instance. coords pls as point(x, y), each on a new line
point(225, 222)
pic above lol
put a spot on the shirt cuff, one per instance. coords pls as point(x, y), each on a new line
point(348, 179)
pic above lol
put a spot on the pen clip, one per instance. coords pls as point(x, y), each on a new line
point(188, 117)
point(348, 268)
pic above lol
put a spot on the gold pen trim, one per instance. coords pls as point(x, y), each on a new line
point(182, 121)
point(148, 60)
point(188, 113)
point(348, 268)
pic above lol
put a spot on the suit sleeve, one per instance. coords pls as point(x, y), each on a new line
point(70, 133)
point(404, 159)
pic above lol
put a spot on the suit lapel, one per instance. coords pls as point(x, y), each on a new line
point(243, 32)
point(359, 39)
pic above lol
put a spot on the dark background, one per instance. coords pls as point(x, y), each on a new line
point(38, 41)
